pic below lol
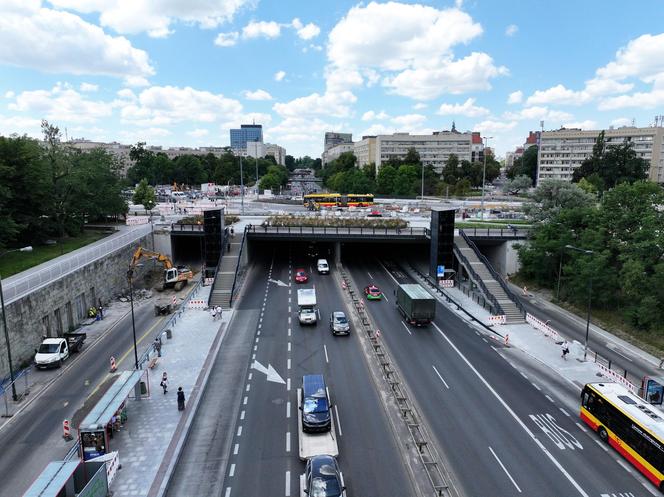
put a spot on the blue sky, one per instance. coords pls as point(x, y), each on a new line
point(182, 73)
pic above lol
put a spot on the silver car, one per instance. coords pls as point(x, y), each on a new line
point(339, 324)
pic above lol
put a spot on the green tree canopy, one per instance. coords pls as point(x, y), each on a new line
point(552, 196)
point(144, 195)
point(526, 165)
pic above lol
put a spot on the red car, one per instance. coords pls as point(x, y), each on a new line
point(301, 276)
point(373, 292)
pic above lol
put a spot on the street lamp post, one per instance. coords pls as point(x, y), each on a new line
point(130, 275)
point(4, 324)
point(241, 187)
point(422, 196)
point(257, 196)
point(590, 292)
point(486, 139)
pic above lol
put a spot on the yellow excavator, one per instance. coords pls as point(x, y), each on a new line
point(174, 276)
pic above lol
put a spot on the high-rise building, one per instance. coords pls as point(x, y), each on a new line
point(365, 150)
point(246, 133)
point(565, 149)
point(332, 139)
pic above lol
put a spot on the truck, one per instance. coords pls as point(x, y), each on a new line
point(306, 302)
point(415, 304)
point(52, 352)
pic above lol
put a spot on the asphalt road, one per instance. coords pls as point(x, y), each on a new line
point(33, 438)
point(263, 453)
point(502, 432)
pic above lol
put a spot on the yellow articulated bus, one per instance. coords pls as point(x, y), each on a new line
point(318, 200)
point(628, 424)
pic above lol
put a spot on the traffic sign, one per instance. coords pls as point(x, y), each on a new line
point(441, 271)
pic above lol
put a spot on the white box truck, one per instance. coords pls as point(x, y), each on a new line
point(306, 302)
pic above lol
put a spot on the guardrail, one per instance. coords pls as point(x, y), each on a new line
point(187, 227)
point(338, 230)
point(499, 232)
point(237, 266)
point(497, 308)
point(493, 272)
point(15, 288)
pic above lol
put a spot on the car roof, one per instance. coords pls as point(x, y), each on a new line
point(339, 314)
point(321, 465)
point(313, 385)
point(300, 270)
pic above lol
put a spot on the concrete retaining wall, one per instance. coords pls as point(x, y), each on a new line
point(63, 304)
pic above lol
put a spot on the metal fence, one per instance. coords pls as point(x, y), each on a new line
point(21, 385)
point(498, 232)
point(16, 287)
point(338, 230)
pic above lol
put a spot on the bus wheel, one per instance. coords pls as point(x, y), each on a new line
point(603, 434)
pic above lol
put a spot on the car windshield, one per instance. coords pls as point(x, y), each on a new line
point(325, 487)
point(341, 319)
point(48, 348)
point(313, 405)
point(374, 289)
point(300, 273)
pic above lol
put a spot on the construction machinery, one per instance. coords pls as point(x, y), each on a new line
point(174, 276)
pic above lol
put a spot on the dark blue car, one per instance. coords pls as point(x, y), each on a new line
point(315, 404)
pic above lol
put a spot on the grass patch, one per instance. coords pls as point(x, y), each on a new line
point(15, 262)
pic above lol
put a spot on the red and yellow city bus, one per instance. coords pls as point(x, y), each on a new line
point(359, 199)
point(318, 200)
point(629, 424)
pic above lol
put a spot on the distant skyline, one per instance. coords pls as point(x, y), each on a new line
point(184, 73)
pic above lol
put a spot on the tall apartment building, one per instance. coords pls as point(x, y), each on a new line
point(332, 139)
point(365, 150)
point(246, 133)
point(434, 149)
point(564, 150)
point(259, 149)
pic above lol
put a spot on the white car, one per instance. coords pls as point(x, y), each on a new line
point(322, 266)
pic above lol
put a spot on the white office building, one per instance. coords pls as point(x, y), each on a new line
point(365, 151)
point(564, 150)
point(335, 151)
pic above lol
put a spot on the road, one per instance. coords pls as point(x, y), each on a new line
point(521, 439)
point(262, 453)
point(33, 438)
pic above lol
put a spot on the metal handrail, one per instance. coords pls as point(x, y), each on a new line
point(493, 272)
point(520, 232)
point(237, 266)
point(336, 230)
point(498, 309)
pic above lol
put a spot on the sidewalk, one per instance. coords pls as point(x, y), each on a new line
point(149, 441)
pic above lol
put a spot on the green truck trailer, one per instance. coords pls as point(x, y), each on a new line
point(415, 304)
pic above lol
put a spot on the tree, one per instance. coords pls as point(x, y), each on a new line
point(552, 196)
point(407, 181)
point(144, 195)
point(525, 165)
point(385, 179)
point(143, 164)
point(517, 184)
point(412, 158)
point(290, 162)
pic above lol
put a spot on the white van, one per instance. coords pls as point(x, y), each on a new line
point(322, 266)
point(177, 196)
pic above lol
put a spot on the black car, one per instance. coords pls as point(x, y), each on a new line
point(315, 404)
point(323, 478)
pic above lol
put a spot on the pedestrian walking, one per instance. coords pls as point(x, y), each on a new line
point(232, 232)
point(565, 349)
point(100, 310)
point(214, 313)
point(218, 309)
point(157, 346)
point(180, 399)
point(164, 382)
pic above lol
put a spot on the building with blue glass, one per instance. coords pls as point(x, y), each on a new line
point(246, 133)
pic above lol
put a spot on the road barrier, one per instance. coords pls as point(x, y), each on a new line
point(66, 432)
point(544, 327)
point(196, 304)
point(114, 366)
point(500, 319)
point(136, 220)
point(610, 373)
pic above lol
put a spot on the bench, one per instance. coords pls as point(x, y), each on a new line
point(153, 362)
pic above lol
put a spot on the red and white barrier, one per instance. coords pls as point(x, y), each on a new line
point(208, 281)
point(447, 283)
point(136, 220)
point(174, 300)
point(66, 432)
point(114, 366)
point(112, 460)
point(540, 325)
point(197, 304)
point(500, 319)
point(609, 373)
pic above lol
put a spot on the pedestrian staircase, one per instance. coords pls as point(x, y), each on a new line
point(224, 278)
point(485, 277)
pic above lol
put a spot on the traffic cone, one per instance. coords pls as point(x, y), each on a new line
point(114, 366)
point(66, 433)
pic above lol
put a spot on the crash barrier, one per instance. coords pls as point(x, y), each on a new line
point(500, 319)
point(66, 432)
point(197, 304)
point(208, 281)
point(136, 220)
point(544, 327)
point(174, 300)
point(446, 283)
point(114, 366)
point(112, 460)
point(427, 453)
point(610, 373)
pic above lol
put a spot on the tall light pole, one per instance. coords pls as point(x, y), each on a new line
point(486, 140)
point(422, 182)
point(590, 292)
point(241, 187)
point(539, 152)
point(130, 275)
point(4, 324)
point(256, 171)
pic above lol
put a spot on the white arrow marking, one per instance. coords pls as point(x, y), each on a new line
point(278, 282)
point(271, 373)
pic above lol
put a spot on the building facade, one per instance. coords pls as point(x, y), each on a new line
point(564, 150)
point(334, 152)
point(365, 150)
point(333, 139)
point(246, 133)
point(279, 153)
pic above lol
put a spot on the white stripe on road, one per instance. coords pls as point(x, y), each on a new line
point(550, 399)
point(242, 415)
point(288, 409)
point(405, 326)
point(288, 384)
point(246, 399)
point(370, 277)
point(236, 449)
point(505, 470)
point(439, 376)
point(327, 359)
point(564, 412)
point(288, 364)
point(251, 375)
point(289, 346)
point(523, 374)
point(288, 441)
point(232, 471)
point(536, 386)
point(287, 483)
point(385, 297)
point(581, 427)
point(513, 414)
point(289, 332)
point(338, 420)
point(228, 492)
point(248, 387)
point(239, 431)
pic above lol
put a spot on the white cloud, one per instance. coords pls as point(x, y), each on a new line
point(156, 17)
point(420, 106)
point(226, 39)
point(305, 32)
point(9, 94)
point(279, 75)
point(490, 126)
point(303, 133)
point(264, 29)
point(257, 95)
point(410, 46)
point(339, 80)
point(61, 104)
point(621, 121)
point(516, 97)
point(328, 104)
point(372, 116)
point(166, 105)
point(56, 41)
point(409, 121)
point(468, 109)
point(642, 100)
point(558, 95)
point(642, 58)
point(587, 124)
point(136, 81)
point(89, 87)
point(20, 125)
point(537, 113)
point(378, 129)
point(511, 30)
point(198, 133)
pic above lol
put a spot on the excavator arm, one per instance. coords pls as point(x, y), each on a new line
point(141, 252)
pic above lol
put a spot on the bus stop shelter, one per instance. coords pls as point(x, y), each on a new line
point(96, 430)
point(70, 479)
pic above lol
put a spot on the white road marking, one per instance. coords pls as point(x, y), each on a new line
point(513, 414)
point(245, 400)
point(624, 465)
point(232, 471)
point(338, 421)
point(248, 387)
point(289, 346)
point(260, 326)
point(327, 359)
point(602, 444)
point(289, 300)
point(255, 348)
point(581, 427)
point(405, 326)
point(485, 340)
point(289, 320)
point(253, 357)
point(289, 332)
point(258, 333)
point(564, 412)
point(288, 441)
point(550, 399)
point(288, 409)
point(242, 415)
point(536, 386)
point(228, 492)
point(523, 374)
point(236, 449)
point(370, 277)
point(614, 348)
point(288, 364)
point(288, 384)
point(251, 375)
point(239, 431)
point(385, 297)
point(439, 376)
point(505, 470)
point(257, 339)
point(289, 309)
point(287, 483)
